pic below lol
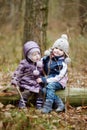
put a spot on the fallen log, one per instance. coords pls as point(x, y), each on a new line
point(74, 96)
point(9, 97)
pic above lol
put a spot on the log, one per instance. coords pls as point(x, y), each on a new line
point(74, 96)
point(9, 97)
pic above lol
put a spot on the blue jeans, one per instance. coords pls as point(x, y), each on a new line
point(50, 91)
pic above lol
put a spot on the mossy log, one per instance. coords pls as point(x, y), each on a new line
point(74, 96)
point(9, 97)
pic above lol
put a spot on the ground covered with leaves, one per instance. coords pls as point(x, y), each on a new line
point(30, 118)
point(74, 118)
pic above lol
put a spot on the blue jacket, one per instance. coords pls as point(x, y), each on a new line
point(55, 70)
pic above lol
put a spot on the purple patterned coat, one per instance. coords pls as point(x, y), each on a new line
point(24, 77)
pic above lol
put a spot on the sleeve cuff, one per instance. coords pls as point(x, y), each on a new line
point(44, 80)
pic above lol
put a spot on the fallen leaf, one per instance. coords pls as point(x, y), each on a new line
point(1, 105)
point(7, 115)
point(1, 125)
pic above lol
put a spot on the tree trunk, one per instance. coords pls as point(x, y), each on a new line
point(74, 96)
point(35, 22)
point(83, 17)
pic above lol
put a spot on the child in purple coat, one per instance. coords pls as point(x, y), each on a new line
point(27, 72)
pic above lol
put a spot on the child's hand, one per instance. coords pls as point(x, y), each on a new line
point(39, 80)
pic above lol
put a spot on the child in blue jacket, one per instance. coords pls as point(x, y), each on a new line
point(55, 68)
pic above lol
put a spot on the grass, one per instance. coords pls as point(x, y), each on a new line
point(16, 119)
point(30, 119)
point(11, 49)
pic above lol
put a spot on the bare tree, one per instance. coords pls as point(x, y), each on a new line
point(83, 16)
point(35, 21)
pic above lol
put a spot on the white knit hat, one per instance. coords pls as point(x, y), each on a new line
point(62, 43)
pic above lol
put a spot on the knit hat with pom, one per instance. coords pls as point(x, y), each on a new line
point(63, 44)
point(29, 48)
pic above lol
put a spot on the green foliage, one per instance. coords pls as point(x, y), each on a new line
point(16, 119)
point(32, 119)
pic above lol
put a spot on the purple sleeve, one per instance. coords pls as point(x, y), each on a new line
point(17, 73)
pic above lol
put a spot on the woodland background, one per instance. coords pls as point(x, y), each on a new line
point(61, 16)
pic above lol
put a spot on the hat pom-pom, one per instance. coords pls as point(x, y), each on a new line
point(36, 72)
point(67, 60)
point(64, 36)
point(47, 53)
point(39, 64)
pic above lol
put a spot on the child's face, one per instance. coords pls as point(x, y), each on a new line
point(57, 52)
point(36, 56)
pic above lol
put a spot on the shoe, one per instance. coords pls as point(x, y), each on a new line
point(22, 104)
point(60, 109)
point(47, 108)
point(59, 104)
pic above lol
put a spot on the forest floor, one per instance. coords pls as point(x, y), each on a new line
point(74, 118)
point(78, 78)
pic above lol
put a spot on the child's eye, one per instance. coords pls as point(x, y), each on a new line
point(56, 48)
point(60, 50)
